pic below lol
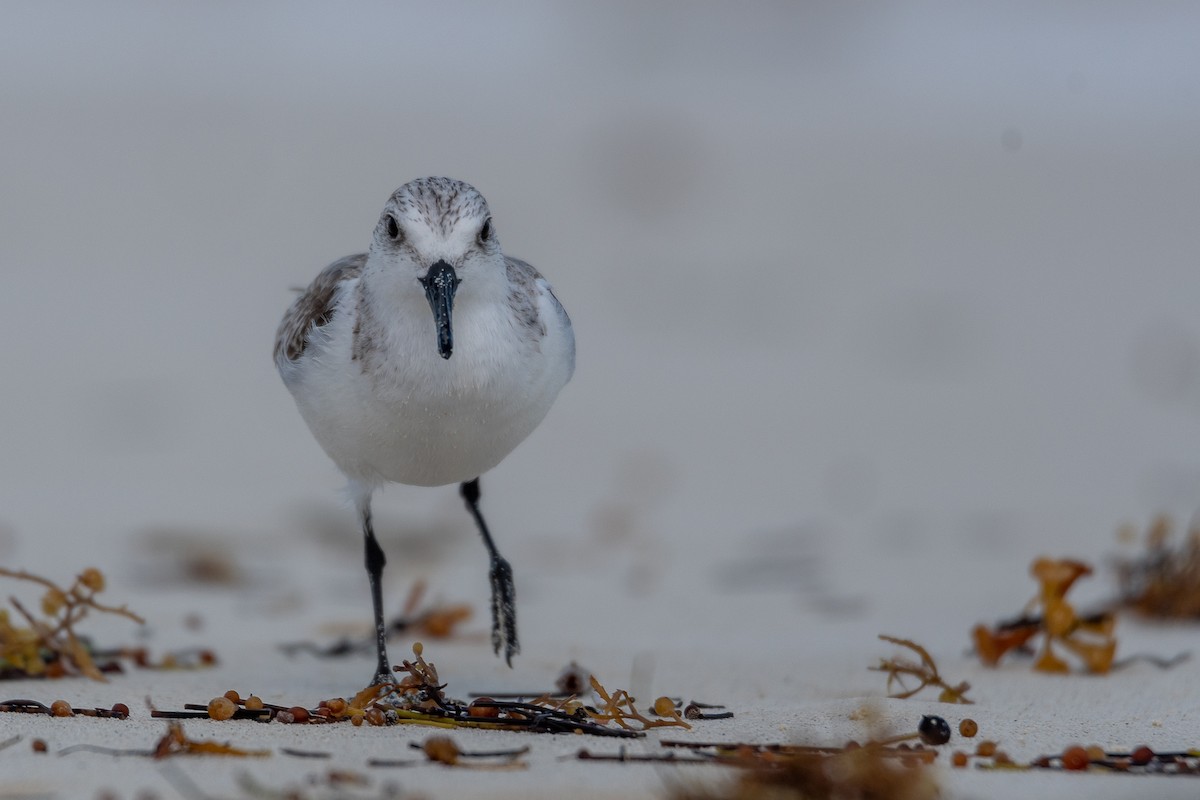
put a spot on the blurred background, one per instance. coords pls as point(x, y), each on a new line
point(903, 281)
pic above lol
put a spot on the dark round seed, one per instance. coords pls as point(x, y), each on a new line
point(934, 730)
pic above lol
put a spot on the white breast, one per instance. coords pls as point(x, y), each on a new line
point(419, 419)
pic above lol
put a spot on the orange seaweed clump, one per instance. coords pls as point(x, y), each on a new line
point(1090, 639)
point(991, 645)
point(50, 645)
point(176, 742)
point(619, 707)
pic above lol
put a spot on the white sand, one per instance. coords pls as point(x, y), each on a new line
point(885, 304)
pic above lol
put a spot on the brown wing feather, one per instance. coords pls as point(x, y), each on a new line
point(314, 308)
point(522, 294)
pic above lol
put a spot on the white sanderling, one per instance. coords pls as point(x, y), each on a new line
point(394, 393)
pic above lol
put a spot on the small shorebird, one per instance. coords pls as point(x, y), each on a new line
point(395, 393)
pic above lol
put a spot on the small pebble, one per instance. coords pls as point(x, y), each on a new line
point(476, 710)
point(221, 708)
point(1075, 758)
point(664, 707)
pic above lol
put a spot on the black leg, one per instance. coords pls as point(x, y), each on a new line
point(504, 595)
point(375, 562)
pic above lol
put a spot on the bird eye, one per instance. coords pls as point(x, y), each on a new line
point(393, 228)
point(485, 233)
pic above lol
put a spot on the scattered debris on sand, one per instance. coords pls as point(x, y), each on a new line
point(51, 646)
point(1090, 638)
point(1163, 581)
point(924, 671)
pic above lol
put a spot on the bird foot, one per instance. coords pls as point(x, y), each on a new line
point(391, 698)
point(504, 610)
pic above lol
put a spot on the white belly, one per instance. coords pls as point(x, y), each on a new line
point(420, 419)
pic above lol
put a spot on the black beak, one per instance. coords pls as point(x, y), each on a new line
point(440, 284)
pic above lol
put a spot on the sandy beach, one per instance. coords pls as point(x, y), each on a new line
point(873, 308)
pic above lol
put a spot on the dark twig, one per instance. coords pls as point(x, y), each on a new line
point(1158, 661)
point(394, 762)
point(621, 755)
point(25, 707)
point(109, 751)
point(291, 751)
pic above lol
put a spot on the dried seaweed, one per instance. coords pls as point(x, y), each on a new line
point(1141, 760)
point(1163, 581)
point(777, 772)
point(1077, 758)
point(418, 698)
point(172, 743)
point(1090, 638)
point(619, 708)
point(437, 621)
point(183, 659)
point(50, 645)
point(574, 680)
point(175, 742)
point(444, 750)
point(925, 671)
point(61, 708)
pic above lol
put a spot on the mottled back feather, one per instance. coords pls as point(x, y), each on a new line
point(314, 308)
point(523, 294)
